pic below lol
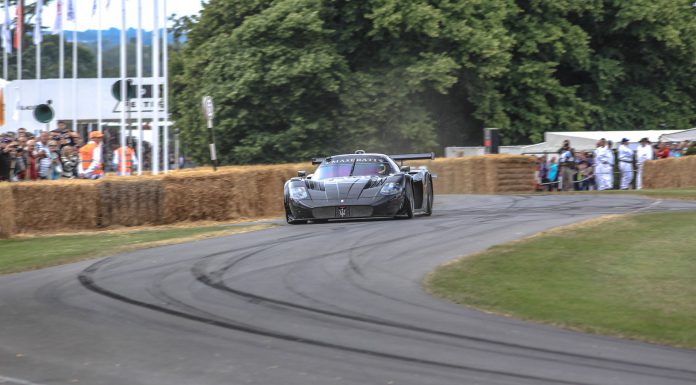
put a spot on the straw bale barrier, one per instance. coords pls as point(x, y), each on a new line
point(7, 211)
point(670, 173)
point(229, 193)
point(129, 202)
point(487, 174)
point(54, 206)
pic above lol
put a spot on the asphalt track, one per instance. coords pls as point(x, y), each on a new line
point(335, 303)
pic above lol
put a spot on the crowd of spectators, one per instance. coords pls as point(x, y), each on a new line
point(569, 169)
point(49, 155)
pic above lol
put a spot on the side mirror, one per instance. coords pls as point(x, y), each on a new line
point(406, 169)
point(301, 173)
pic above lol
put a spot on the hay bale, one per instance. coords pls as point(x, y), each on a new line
point(7, 211)
point(129, 202)
point(670, 173)
point(55, 205)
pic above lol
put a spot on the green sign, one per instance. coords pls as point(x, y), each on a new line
point(131, 89)
point(43, 113)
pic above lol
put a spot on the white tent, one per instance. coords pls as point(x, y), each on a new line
point(680, 136)
point(587, 140)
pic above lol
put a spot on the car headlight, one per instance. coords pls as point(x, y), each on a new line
point(391, 188)
point(298, 193)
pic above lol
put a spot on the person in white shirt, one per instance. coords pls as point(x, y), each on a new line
point(644, 152)
point(625, 164)
point(601, 165)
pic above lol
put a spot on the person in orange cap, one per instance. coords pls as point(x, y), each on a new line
point(91, 166)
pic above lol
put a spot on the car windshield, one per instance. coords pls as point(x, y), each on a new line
point(353, 167)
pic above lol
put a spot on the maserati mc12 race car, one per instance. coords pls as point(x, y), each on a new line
point(360, 185)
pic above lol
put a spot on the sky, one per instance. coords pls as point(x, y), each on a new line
point(111, 17)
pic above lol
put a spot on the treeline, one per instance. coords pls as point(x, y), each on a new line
point(292, 79)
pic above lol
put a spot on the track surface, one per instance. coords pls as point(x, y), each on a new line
point(336, 303)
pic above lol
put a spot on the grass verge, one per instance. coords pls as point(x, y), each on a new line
point(687, 193)
point(22, 254)
point(629, 276)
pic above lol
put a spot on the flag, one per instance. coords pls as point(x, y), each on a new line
point(6, 34)
point(107, 3)
point(37, 24)
point(19, 31)
point(71, 10)
point(94, 7)
point(58, 25)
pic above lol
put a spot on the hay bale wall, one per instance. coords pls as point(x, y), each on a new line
point(229, 193)
point(7, 211)
point(670, 173)
point(55, 205)
point(129, 202)
point(487, 174)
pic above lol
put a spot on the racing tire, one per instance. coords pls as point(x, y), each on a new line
point(406, 209)
point(431, 198)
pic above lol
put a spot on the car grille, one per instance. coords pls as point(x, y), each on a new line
point(330, 212)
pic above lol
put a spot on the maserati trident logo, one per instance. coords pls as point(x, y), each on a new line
point(342, 212)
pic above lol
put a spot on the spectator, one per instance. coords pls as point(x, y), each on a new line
point(643, 153)
point(603, 168)
point(553, 174)
point(5, 159)
point(69, 159)
point(567, 166)
point(625, 164)
point(42, 143)
point(674, 151)
point(124, 160)
point(90, 166)
point(19, 167)
point(662, 151)
point(31, 172)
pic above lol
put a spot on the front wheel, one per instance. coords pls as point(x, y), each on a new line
point(406, 209)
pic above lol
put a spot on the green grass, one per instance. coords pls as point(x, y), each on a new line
point(21, 254)
point(688, 193)
point(633, 277)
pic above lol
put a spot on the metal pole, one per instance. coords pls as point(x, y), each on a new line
point(155, 89)
point(20, 31)
point(74, 76)
point(100, 66)
point(165, 73)
point(139, 85)
point(124, 90)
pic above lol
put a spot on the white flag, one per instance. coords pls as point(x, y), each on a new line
point(6, 33)
point(37, 23)
point(58, 25)
point(71, 10)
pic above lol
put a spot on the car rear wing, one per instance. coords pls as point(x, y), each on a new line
point(403, 157)
point(396, 158)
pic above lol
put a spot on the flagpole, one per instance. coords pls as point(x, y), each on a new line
point(6, 42)
point(74, 75)
point(139, 86)
point(124, 91)
point(155, 89)
point(19, 31)
point(38, 38)
point(99, 68)
point(165, 73)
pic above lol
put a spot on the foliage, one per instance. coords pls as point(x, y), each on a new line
point(300, 78)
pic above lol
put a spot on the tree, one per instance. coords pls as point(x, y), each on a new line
point(301, 78)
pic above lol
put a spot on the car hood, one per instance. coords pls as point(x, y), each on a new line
point(353, 187)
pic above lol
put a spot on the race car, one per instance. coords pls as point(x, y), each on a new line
point(359, 185)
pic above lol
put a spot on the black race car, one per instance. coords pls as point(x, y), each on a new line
point(359, 185)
